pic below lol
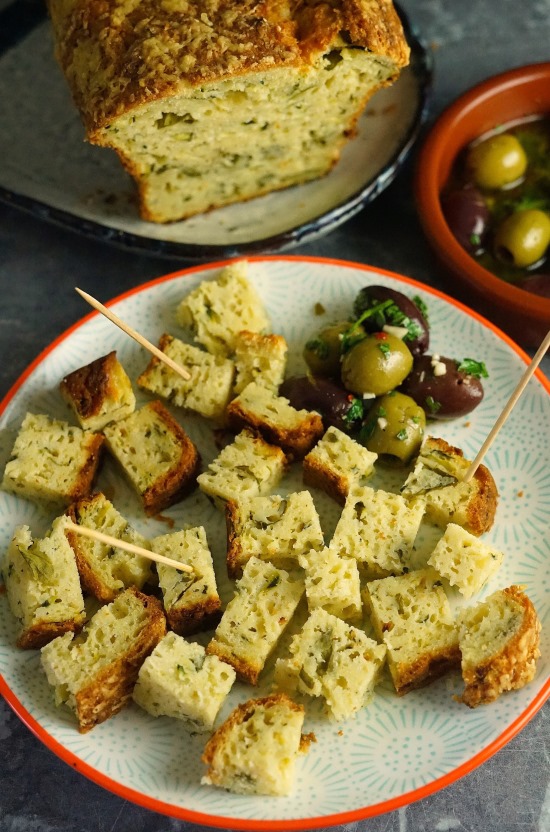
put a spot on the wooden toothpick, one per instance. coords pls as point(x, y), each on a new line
point(133, 334)
point(508, 408)
point(127, 547)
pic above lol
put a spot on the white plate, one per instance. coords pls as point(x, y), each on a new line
point(55, 174)
point(396, 750)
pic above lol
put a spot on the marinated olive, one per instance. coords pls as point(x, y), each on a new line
point(497, 161)
point(445, 388)
point(399, 311)
point(377, 364)
point(468, 216)
point(336, 406)
point(394, 427)
point(522, 239)
point(322, 352)
point(539, 284)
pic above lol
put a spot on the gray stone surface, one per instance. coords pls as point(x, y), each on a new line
point(39, 266)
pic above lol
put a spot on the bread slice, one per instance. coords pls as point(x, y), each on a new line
point(99, 393)
point(260, 358)
point(436, 480)
point(337, 463)
point(52, 462)
point(157, 456)
point(262, 410)
point(411, 615)
point(95, 672)
point(274, 528)
point(264, 602)
point(218, 309)
point(246, 468)
point(209, 105)
point(106, 570)
point(464, 560)
point(333, 583)
point(190, 599)
point(208, 389)
point(179, 680)
point(255, 749)
point(42, 585)
point(378, 529)
point(334, 660)
point(499, 642)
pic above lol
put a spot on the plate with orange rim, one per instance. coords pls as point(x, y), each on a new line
point(397, 749)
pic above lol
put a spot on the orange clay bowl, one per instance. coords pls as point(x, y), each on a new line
point(513, 95)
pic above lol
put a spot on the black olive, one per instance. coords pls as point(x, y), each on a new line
point(467, 216)
point(399, 311)
point(443, 395)
point(336, 406)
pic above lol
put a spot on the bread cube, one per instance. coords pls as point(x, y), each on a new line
point(333, 583)
point(337, 463)
point(499, 642)
point(106, 570)
point(334, 660)
point(259, 358)
point(52, 462)
point(179, 680)
point(190, 599)
point(464, 560)
point(256, 407)
point(95, 672)
point(255, 750)
point(246, 468)
point(274, 528)
point(411, 615)
point(157, 456)
point(43, 586)
point(436, 480)
point(264, 602)
point(378, 529)
point(206, 391)
point(99, 393)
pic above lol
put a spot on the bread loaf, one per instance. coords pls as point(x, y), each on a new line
point(209, 104)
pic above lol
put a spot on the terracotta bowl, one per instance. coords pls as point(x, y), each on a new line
point(512, 95)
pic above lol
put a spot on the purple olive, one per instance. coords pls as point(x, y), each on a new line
point(442, 388)
point(401, 312)
point(336, 406)
point(467, 215)
point(539, 284)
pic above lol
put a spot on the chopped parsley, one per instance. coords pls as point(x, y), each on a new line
point(432, 405)
point(401, 435)
point(419, 303)
point(355, 412)
point(385, 349)
point(473, 368)
point(318, 346)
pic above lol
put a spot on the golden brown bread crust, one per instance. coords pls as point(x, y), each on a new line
point(36, 636)
point(426, 669)
point(87, 387)
point(245, 671)
point(94, 443)
point(112, 687)
point(295, 442)
point(116, 61)
point(234, 547)
point(186, 621)
point(514, 666)
point(331, 482)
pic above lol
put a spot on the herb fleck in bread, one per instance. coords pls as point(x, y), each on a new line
point(209, 387)
point(262, 410)
point(264, 602)
point(255, 749)
point(209, 105)
point(179, 680)
point(464, 560)
point(499, 641)
point(94, 673)
point(411, 615)
point(106, 570)
point(334, 660)
point(260, 358)
point(99, 393)
point(190, 599)
point(274, 528)
point(336, 463)
point(436, 480)
point(43, 586)
point(156, 455)
point(52, 462)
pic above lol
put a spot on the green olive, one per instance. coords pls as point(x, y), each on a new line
point(394, 427)
point(497, 161)
point(322, 353)
point(522, 239)
point(376, 364)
